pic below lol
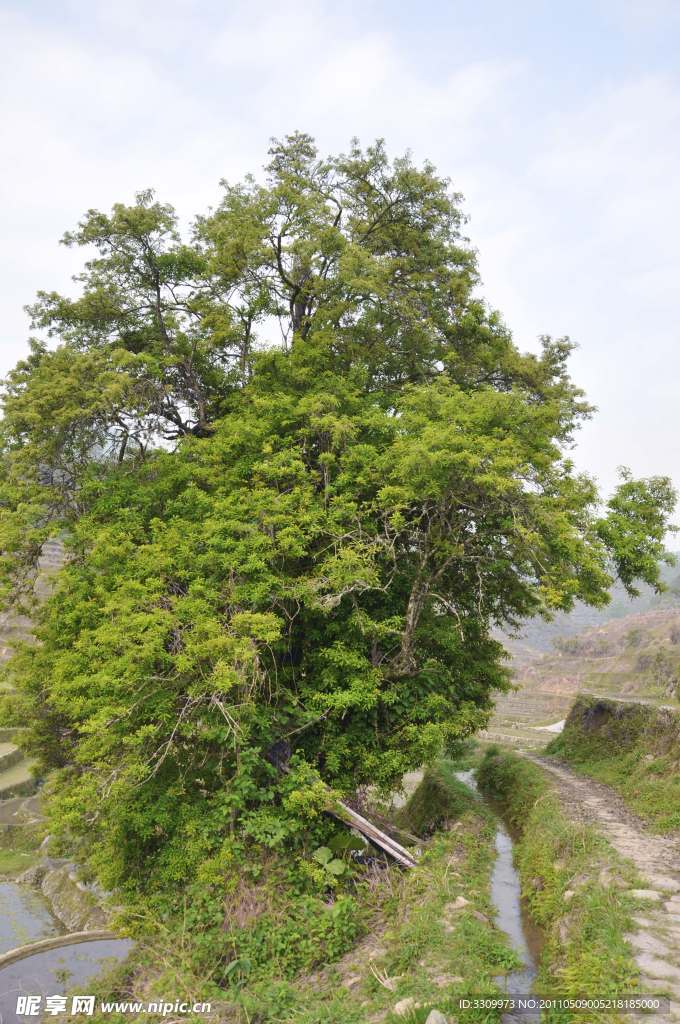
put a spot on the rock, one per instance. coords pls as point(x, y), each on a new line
point(645, 894)
point(658, 968)
point(610, 880)
point(659, 987)
point(444, 980)
point(435, 1017)
point(664, 882)
point(73, 904)
point(643, 922)
point(352, 981)
point(656, 987)
point(568, 895)
point(564, 927)
point(34, 875)
point(644, 942)
point(458, 904)
point(479, 916)
point(405, 1006)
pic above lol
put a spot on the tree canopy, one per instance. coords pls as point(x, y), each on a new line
point(303, 473)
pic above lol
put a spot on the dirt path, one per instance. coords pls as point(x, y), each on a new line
point(657, 942)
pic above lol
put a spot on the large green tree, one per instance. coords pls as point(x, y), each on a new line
point(303, 472)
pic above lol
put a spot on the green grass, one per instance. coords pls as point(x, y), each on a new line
point(586, 952)
point(415, 946)
point(17, 780)
point(13, 862)
point(18, 849)
point(633, 748)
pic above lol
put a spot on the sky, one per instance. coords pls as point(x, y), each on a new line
point(559, 123)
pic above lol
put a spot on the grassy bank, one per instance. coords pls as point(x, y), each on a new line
point(18, 849)
point(425, 936)
point(439, 799)
point(635, 748)
point(573, 883)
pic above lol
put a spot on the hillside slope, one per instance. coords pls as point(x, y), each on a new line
point(635, 657)
point(537, 635)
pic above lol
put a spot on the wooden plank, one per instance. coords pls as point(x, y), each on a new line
point(346, 815)
point(372, 832)
point(396, 832)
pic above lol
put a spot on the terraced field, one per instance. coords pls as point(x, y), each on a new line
point(604, 661)
point(520, 718)
point(16, 776)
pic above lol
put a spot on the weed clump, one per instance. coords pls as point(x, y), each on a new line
point(439, 800)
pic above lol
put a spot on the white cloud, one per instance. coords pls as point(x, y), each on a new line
point(584, 241)
point(575, 211)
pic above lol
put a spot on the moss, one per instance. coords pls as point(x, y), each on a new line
point(439, 799)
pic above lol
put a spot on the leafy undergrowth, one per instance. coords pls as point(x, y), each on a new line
point(422, 944)
point(634, 748)
point(574, 884)
point(424, 934)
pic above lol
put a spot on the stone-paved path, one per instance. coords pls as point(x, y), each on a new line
point(657, 942)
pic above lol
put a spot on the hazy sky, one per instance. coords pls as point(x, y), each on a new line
point(560, 124)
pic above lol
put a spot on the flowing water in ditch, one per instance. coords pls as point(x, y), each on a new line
point(24, 918)
point(511, 914)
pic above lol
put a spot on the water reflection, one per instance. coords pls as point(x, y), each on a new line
point(56, 971)
point(24, 917)
point(511, 915)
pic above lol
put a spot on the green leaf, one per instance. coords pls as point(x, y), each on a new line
point(323, 855)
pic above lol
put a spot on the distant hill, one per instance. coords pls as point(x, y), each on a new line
point(539, 635)
point(629, 650)
point(631, 656)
